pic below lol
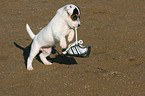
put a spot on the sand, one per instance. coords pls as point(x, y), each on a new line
point(115, 29)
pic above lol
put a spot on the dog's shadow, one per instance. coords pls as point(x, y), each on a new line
point(59, 58)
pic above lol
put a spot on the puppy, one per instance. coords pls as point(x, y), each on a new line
point(63, 23)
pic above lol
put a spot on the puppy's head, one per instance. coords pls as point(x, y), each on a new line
point(72, 15)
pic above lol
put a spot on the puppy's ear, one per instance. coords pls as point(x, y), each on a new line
point(68, 9)
point(65, 8)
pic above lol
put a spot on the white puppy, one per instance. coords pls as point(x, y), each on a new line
point(62, 24)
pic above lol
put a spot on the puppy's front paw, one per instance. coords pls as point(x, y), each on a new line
point(29, 68)
point(63, 45)
point(71, 35)
point(70, 38)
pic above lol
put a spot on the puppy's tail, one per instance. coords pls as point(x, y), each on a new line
point(31, 34)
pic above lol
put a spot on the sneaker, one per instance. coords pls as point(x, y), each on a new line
point(78, 51)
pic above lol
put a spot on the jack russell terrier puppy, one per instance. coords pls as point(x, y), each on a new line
point(63, 23)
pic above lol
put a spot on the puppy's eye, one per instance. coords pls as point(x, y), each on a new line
point(74, 17)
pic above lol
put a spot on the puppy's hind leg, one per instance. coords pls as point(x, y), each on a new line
point(45, 52)
point(34, 51)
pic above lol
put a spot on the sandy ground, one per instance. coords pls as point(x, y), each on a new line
point(116, 66)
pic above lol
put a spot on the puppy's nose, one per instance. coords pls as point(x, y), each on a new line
point(78, 25)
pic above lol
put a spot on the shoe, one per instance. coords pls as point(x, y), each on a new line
point(78, 51)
